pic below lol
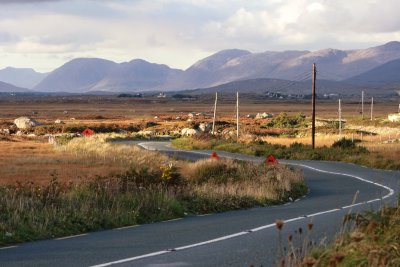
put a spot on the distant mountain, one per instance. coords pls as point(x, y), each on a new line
point(386, 74)
point(76, 76)
point(137, 75)
point(263, 85)
point(91, 74)
point(9, 88)
point(332, 64)
point(21, 77)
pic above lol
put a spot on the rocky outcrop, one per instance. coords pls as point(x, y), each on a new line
point(25, 123)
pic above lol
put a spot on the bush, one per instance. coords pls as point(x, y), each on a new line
point(344, 143)
point(283, 120)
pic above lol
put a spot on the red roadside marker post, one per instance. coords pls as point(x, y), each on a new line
point(214, 155)
point(88, 132)
point(271, 160)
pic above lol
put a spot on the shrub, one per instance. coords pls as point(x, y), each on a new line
point(344, 143)
point(283, 120)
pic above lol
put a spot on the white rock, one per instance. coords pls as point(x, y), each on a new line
point(146, 133)
point(394, 117)
point(188, 132)
point(205, 127)
point(25, 123)
point(263, 115)
point(5, 131)
point(58, 121)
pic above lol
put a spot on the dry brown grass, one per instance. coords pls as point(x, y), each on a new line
point(229, 177)
point(33, 159)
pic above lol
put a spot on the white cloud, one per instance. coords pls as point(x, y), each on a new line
point(179, 32)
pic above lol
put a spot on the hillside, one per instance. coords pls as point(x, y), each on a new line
point(21, 77)
point(91, 74)
point(76, 76)
point(386, 74)
point(9, 88)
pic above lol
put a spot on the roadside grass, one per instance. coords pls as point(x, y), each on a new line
point(373, 240)
point(148, 187)
point(380, 157)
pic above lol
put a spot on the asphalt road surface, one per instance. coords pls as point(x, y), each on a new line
point(236, 238)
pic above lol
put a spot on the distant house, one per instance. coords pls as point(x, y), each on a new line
point(162, 95)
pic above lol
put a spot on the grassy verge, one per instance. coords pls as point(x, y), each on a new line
point(339, 151)
point(373, 241)
point(154, 188)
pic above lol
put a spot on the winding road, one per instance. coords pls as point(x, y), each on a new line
point(236, 238)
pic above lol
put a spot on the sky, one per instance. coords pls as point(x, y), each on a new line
point(45, 34)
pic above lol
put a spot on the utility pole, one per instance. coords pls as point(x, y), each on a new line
point(340, 119)
point(399, 108)
point(237, 115)
point(362, 104)
point(372, 108)
point(314, 77)
point(215, 112)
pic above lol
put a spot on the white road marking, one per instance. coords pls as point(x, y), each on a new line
point(127, 227)
point(172, 220)
point(68, 237)
point(391, 192)
point(202, 215)
point(133, 258)
point(3, 248)
point(322, 212)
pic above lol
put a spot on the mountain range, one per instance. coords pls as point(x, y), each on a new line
point(373, 66)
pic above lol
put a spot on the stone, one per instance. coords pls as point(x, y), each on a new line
point(263, 115)
point(188, 132)
point(146, 133)
point(58, 121)
point(5, 131)
point(25, 123)
point(204, 127)
point(394, 117)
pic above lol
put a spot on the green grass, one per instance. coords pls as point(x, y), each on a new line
point(343, 150)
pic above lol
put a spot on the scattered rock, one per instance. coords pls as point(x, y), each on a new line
point(394, 117)
point(191, 114)
point(5, 131)
point(188, 132)
point(58, 121)
point(204, 127)
point(65, 111)
point(25, 123)
point(146, 133)
point(263, 115)
point(250, 116)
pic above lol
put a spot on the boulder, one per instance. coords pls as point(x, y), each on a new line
point(5, 131)
point(204, 127)
point(25, 123)
point(263, 115)
point(146, 133)
point(394, 117)
point(188, 132)
point(58, 121)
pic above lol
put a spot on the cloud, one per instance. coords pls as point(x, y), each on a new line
point(16, 2)
point(179, 32)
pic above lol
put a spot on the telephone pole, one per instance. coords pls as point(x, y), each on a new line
point(314, 77)
point(215, 112)
point(372, 108)
point(237, 115)
point(340, 119)
point(362, 104)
